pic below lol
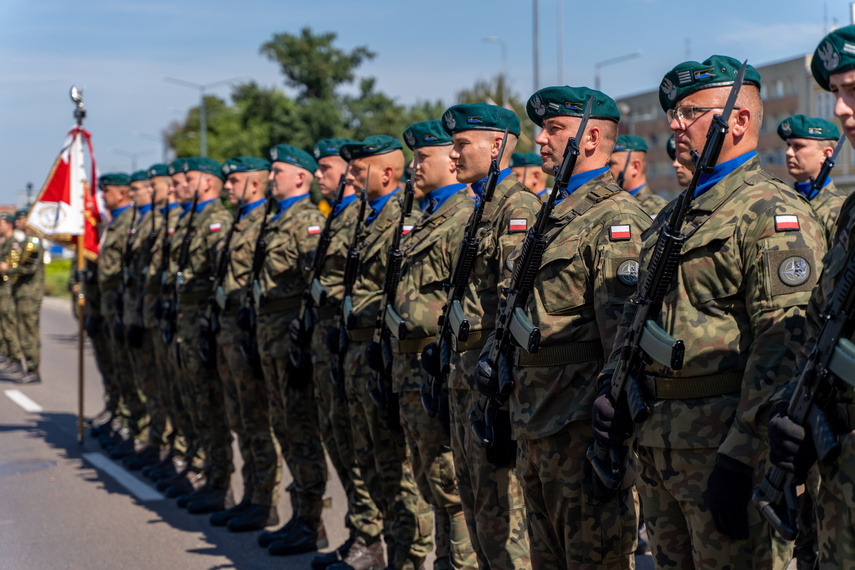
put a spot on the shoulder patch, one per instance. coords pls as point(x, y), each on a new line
point(620, 233)
point(627, 272)
point(787, 223)
point(518, 225)
point(792, 270)
point(406, 229)
point(215, 227)
point(171, 231)
point(312, 230)
point(132, 231)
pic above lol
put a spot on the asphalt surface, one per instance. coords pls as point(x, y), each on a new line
point(67, 505)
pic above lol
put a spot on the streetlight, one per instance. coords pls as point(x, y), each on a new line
point(600, 64)
point(203, 123)
point(132, 155)
point(161, 139)
point(504, 46)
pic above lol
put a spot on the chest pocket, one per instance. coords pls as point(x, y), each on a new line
point(563, 277)
point(711, 266)
point(489, 279)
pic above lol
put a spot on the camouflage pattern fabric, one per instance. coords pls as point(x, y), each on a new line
point(100, 343)
point(650, 201)
point(8, 312)
point(28, 288)
point(827, 204)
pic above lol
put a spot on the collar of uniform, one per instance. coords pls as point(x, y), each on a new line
point(169, 207)
point(804, 188)
point(441, 195)
point(202, 205)
point(247, 208)
point(478, 186)
point(377, 205)
point(635, 191)
point(345, 202)
point(707, 181)
point(144, 209)
point(117, 212)
point(578, 180)
point(185, 207)
point(287, 203)
point(544, 191)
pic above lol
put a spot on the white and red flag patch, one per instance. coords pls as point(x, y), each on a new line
point(406, 229)
point(312, 230)
point(518, 225)
point(620, 233)
point(171, 231)
point(787, 223)
point(215, 227)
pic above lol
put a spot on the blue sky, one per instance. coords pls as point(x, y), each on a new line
point(119, 50)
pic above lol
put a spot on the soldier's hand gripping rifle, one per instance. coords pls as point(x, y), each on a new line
point(351, 269)
point(379, 352)
point(829, 367)
point(622, 175)
point(827, 164)
point(314, 295)
point(452, 318)
point(645, 340)
point(513, 327)
point(128, 279)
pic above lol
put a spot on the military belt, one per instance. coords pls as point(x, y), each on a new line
point(193, 297)
point(280, 305)
point(361, 335)
point(110, 284)
point(409, 346)
point(476, 339)
point(697, 386)
point(560, 354)
point(326, 313)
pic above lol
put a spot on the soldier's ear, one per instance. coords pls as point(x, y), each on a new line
point(591, 138)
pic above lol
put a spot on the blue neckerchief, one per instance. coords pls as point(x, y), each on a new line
point(804, 188)
point(186, 207)
point(542, 192)
point(247, 208)
point(577, 181)
point(477, 187)
point(117, 212)
point(345, 202)
point(143, 210)
point(634, 191)
point(439, 196)
point(287, 203)
point(169, 206)
point(707, 181)
point(377, 206)
point(202, 205)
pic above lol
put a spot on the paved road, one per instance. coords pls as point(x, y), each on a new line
point(65, 505)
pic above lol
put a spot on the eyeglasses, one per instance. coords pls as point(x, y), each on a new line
point(688, 114)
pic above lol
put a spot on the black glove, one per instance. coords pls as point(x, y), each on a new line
point(789, 447)
point(431, 360)
point(487, 378)
point(612, 424)
point(503, 452)
point(297, 333)
point(374, 357)
point(729, 491)
point(134, 335)
point(334, 340)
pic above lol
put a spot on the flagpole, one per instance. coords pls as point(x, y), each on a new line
point(79, 114)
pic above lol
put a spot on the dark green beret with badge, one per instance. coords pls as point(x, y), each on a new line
point(371, 146)
point(10, 218)
point(245, 164)
point(566, 101)
point(426, 133)
point(834, 54)
point(293, 155)
point(480, 116)
point(139, 176)
point(691, 76)
point(525, 159)
point(801, 127)
point(630, 142)
point(330, 147)
point(22, 213)
point(204, 164)
point(158, 170)
point(114, 179)
point(176, 166)
point(671, 147)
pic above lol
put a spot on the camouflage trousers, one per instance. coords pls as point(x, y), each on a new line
point(249, 417)
point(185, 441)
point(384, 460)
point(27, 313)
point(204, 403)
point(131, 406)
point(567, 527)
point(8, 324)
point(805, 546)
point(145, 374)
point(104, 362)
point(294, 419)
point(835, 508)
point(433, 469)
point(363, 516)
point(682, 535)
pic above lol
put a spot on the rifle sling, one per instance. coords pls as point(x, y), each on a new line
point(692, 387)
point(409, 346)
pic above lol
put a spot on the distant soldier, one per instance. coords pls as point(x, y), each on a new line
point(683, 174)
point(8, 313)
point(527, 167)
point(28, 288)
point(628, 164)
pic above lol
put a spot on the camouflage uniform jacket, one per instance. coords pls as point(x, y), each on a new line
point(28, 278)
point(746, 272)
point(207, 235)
point(429, 253)
point(827, 204)
point(110, 260)
point(137, 256)
point(153, 282)
point(506, 218)
point(588, 270)
point(332, 273)
point(651, 202)
point(240, 261)
point(290, 243)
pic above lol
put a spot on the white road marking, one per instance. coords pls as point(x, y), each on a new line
point(22, 400)
point(137, 488)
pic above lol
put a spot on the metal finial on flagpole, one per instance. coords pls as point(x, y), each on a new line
point(79, 114)
point(76, 94)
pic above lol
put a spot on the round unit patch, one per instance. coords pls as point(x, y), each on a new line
point(627, 272)
point(794, 271)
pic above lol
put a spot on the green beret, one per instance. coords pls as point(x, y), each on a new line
point(244, 164)
point(139, 176)
point(801, 127)
point(10, 218)
point(526, 159)
point(176, 166)
point(158, 170)
point(293, 155)
point(480, 116)
point(330, 147)
point(570, 102)
point(204, 164)
point(834, 54)
point(22, 212)
point(114, 179)
point(630, 142)
point(371, 146)
point(691, 76)
point(671, 147)
point(426, 133)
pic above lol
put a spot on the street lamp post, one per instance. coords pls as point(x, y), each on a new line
point(504, 46)
point(600, 64)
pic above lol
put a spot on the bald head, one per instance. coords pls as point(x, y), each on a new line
point(473, 150)
point(380, 174)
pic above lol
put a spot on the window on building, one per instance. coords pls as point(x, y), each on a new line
point(778, 89)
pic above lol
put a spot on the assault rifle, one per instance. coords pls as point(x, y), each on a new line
point(452, 319)
point(831, 362)
point(622, 173)
point(646, 341)
point(314, 295)
point(379, 353)
point(164, 309)
point(827, 164)
point(513, 327)
point(127, 278)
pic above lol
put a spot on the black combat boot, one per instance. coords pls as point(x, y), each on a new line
point(256, 517)
point(305, 535)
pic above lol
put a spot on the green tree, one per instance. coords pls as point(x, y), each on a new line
point(496, 92)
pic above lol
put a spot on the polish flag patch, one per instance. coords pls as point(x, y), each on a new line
point(171, 231)
point(518, 225)
point(787, 223)
point(619, 233)
point(406, 229)
point(314, 230)
point(215, 227)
